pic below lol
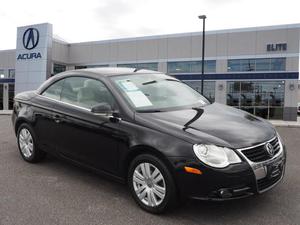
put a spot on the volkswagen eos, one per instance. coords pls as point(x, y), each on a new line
point(151, 131)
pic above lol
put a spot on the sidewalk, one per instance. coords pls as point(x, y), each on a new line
point(281, 123)
point(5, 112)
point(277, 123)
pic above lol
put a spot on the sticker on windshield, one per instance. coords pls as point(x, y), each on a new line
point(127, 85)
point(138, 98)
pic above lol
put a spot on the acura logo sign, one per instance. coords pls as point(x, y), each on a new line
point(270, 150)
point(31, 38)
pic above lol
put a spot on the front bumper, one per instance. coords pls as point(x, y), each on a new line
point(233, 182)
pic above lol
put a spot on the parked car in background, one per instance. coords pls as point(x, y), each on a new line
point(151, 131)
point(298, 108)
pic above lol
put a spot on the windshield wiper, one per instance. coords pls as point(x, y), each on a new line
point(149, 82)
point(149, 111)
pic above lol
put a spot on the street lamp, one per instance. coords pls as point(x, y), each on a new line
point(202, 17)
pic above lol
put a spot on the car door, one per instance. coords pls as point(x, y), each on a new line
point(44, 125)
point(83, 136)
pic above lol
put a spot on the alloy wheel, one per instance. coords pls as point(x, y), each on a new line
point(149, 184)
point(26, 142)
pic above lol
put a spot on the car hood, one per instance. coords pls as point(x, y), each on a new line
point(212, 124)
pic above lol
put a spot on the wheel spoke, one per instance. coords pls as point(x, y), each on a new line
point(149, 197)
point(138, 180)
point(143, 194)
point(147, 170)
point(140, 189)
point(158, 179)
point(143, 170)
point(153, 198)
point(155, 173)
point(138, 175)
point(30, 146)
point(159, 191)
point(21, 142)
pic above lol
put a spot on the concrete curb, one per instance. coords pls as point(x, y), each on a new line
point(5, 112)
point(287, 125)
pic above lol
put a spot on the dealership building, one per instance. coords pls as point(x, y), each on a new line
point(254, 69)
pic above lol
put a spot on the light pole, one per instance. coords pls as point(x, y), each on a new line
point(202, 17)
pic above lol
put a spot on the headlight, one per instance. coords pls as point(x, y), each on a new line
point(280, 139)
point(215, 156)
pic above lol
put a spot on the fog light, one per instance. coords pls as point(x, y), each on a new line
point(225, 193)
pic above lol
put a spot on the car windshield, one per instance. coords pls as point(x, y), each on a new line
point(157, 92)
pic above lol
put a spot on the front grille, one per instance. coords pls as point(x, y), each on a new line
point(266, 182)
point(259, 153)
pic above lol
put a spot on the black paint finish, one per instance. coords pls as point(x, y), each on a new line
point(107, 146)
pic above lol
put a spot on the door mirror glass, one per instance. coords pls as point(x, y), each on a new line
point(102, 108)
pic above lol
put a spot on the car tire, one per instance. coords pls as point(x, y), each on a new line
point(27, 144)
point(157, 185)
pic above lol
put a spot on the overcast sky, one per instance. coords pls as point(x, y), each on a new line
point(88, 20)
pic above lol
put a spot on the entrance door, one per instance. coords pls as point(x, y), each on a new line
point(11, 95)
point(7, 93)
point(1, 96)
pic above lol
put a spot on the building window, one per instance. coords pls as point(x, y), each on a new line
point(11, 73)
point(261, 98)
point(58, 68)
point(96, 66)
point(147, 66)
point(192, 67)
point(2, 75)
point(80, 67)
point(263, 64)
point(208, 88)
point(278, 64)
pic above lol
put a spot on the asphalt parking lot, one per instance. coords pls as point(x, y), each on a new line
point(54, 192)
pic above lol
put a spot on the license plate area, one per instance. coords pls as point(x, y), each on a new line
point(269, 169)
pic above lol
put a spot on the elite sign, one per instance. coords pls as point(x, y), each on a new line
point(30, 40)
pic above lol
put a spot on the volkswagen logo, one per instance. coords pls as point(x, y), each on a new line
point(270, 150)
point(31, 38)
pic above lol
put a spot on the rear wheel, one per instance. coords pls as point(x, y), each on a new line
point(27, 144)
point(151, 184)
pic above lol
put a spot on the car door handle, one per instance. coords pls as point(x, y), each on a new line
point(57, 118)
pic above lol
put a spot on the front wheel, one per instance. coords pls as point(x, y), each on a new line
point(151, 184)
point(27, 144)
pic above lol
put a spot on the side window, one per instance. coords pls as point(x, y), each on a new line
point(86, 92)
point(54, 90)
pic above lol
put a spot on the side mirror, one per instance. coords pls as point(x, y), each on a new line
point(102, 108)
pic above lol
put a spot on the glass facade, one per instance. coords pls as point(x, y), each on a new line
point(261, 98)
point(58, 68)
point(208, 88)
point(192, 66)
point(147, 66)
point(1, 96)
point(263, 64)
point(95, 66)
point(11, 73)
point(80, 67)
point(11, 95)
point(2, 75)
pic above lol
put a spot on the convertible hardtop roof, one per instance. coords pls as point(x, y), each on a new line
point(96, 73)
point(112, 71)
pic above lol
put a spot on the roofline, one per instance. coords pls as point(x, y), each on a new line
point(209, 32)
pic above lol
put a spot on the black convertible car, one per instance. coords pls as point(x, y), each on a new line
point(150, 130)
